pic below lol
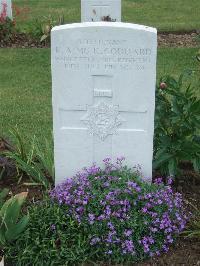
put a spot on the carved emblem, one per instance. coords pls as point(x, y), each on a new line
point(102, 119)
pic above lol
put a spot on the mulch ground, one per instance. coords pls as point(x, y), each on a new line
point(178, 39)
point(165, 39)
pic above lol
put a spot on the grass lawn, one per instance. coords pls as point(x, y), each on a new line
point(25, 86)
point(166, 15)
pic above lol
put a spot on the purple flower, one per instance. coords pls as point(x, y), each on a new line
point(169, 180)
point(134, 186)
point(158, 181)
point(120, 159)
point(101, 217)
point(128, 232)
point(53, 227)
point(112, 203)
point(165, 248)
point(91, 218)
point(158, 253)
point(144, 209)
point(128, 246)
point(107, 211)
point(106, 184)
point(109, 252)
point(94, 241)
point(107, 160)
point(110, 226)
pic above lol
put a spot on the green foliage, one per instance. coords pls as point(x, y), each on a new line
point(177, 123)
point(55, 237)
point(32, 170)
point(34, 163)
point(48, 23)
point(193, 228)
point(44, 157)
point(7, 167)
point(3, 195)
point(7, 28)
point(10, 224)
point(35, 29)
point(51, 238)
point(41, 28)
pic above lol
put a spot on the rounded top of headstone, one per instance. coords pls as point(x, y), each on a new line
point(106, 24)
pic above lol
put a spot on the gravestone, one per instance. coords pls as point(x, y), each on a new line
point(100, 10)
point(103, 78)
point(7, 5)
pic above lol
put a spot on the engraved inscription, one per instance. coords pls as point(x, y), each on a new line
point(102, 93)
point(102, 119)
point(95, 54)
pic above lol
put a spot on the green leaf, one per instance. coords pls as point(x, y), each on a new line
point(172, 167)
point(11, 209)
point(3, 195)
point(14, 232)
point(196, 164)
point(32, 169)
point(161, 160)
point(180, 80)
point(195, 107)
point(20, 150)
point(2, 234)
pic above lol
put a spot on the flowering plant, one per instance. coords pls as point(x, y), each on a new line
point(123, 217)
point(177, 123)
point(6, 24)
point(3, 12)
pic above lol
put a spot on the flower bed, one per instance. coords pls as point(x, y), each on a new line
point(105, 214)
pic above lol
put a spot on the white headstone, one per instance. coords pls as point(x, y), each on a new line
point(7, 5)
point(103, 78)
point(100, 10)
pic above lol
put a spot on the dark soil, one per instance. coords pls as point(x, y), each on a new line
point(178, 40)
point(165, 39)
point(35, 193)
point(185, 252)
point(22, 40)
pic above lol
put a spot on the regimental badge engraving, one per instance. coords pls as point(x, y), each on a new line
point(102, 119)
